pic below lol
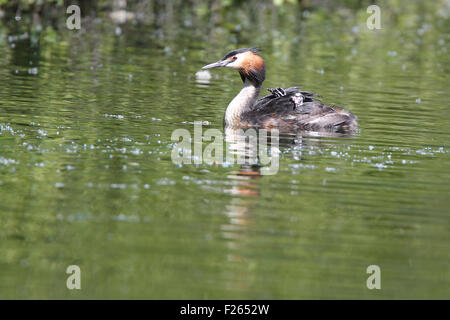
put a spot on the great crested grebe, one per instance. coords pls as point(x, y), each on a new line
point(284, 109)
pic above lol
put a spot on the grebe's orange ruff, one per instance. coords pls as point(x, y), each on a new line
point(288, 110)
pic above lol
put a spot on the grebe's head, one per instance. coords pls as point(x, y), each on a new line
point(247, 61)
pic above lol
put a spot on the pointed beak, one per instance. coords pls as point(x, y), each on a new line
point(217, 64)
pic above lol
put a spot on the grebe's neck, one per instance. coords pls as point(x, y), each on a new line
point(242, 103)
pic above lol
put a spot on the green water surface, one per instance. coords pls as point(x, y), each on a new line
point(86, 176)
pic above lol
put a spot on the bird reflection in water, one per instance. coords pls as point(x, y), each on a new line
point(246, 188)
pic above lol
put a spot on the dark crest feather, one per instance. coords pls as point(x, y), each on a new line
point(254, 50)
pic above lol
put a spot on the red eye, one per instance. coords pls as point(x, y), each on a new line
point(234, 58)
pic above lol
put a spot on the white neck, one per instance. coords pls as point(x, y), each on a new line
point(241, 103)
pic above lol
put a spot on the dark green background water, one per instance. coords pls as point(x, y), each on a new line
point(86, 176)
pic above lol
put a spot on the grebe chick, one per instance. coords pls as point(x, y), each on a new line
point(288, 110)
